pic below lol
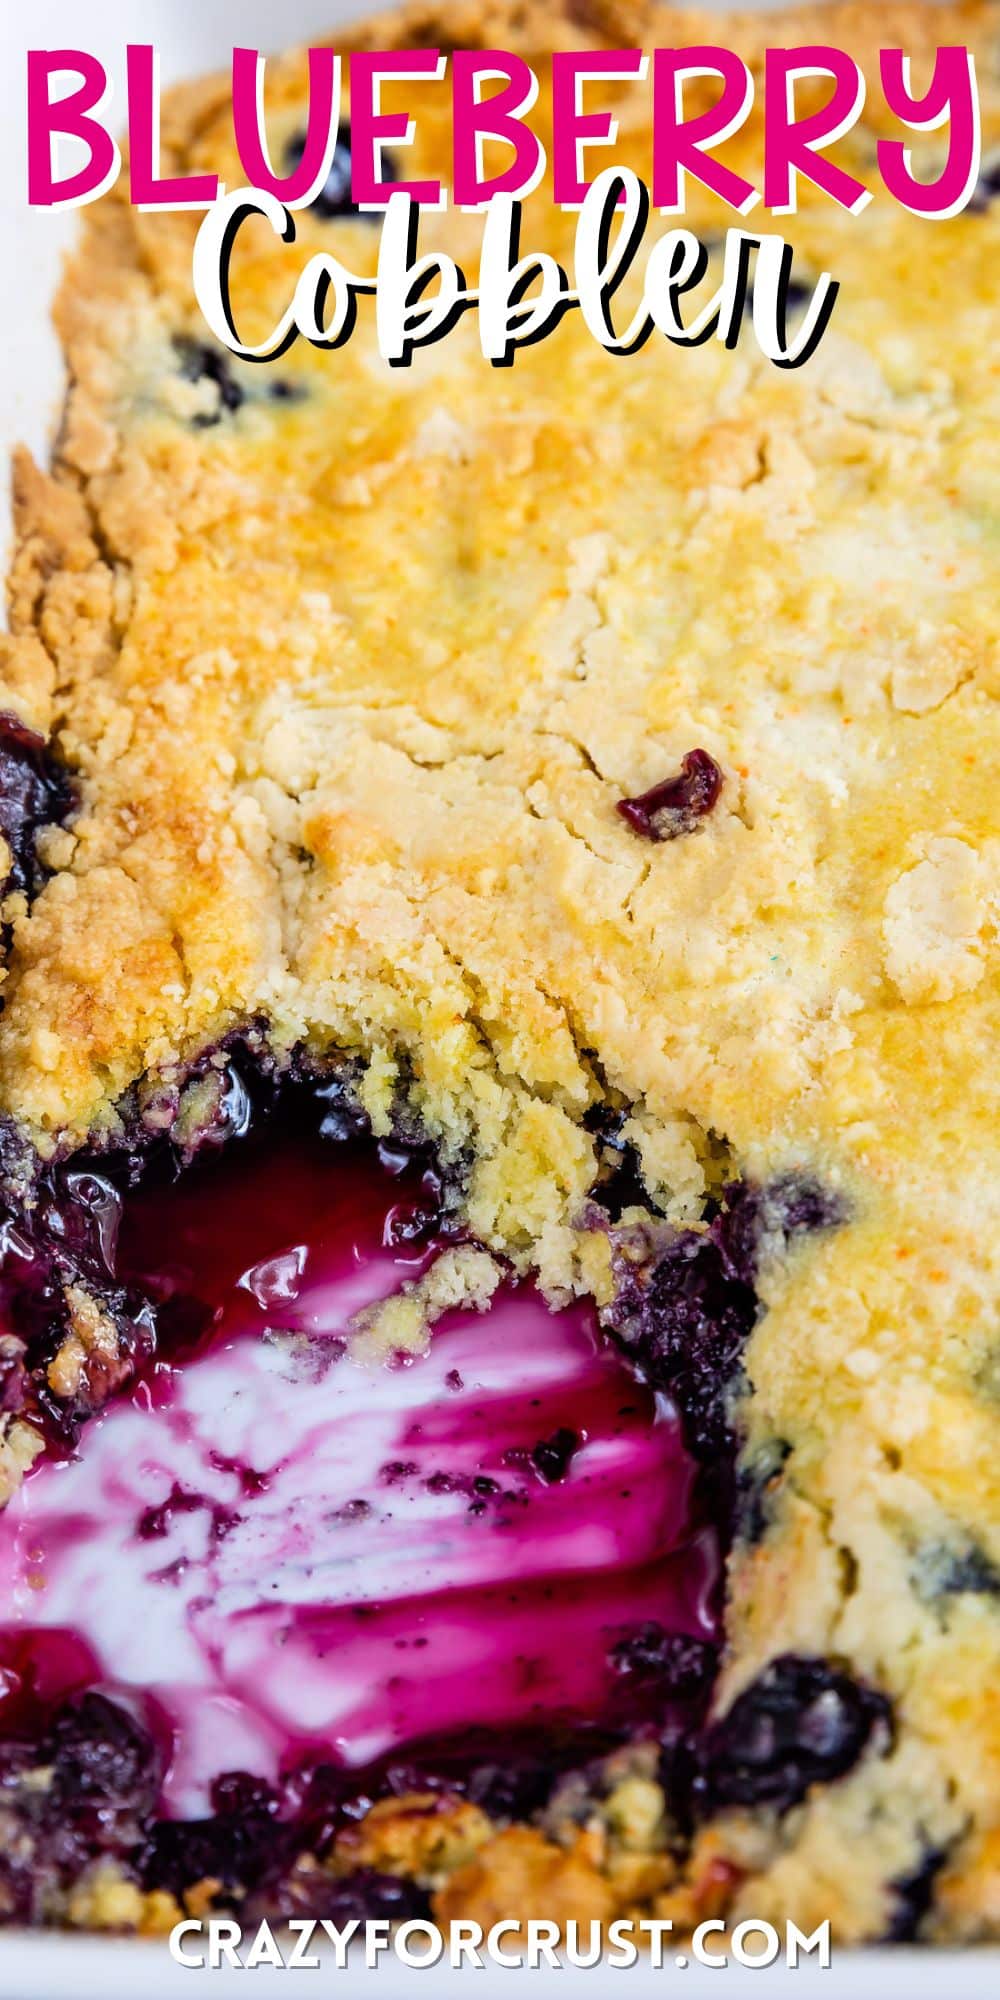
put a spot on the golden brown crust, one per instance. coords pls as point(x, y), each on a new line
point(354, 684)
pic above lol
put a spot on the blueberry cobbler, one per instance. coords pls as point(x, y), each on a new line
point(500, 1353)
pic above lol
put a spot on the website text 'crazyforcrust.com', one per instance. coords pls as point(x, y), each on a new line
point(309, 1944)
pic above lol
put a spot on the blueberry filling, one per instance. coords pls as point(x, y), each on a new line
point(683, 1315)
point(364, 1895)
point(683, 1669)
point(686, 1302)
point(238, 1845)
point(514, 1789)
point(100, 1758)
point(545, 1647)
point(58, 1261)
point(59, 1245)
point(675, 806)
point(973, 1573)
point(551, 1456)
point(334, 198)
point(34, 792)
point(82, 1790)
point(684, 1307)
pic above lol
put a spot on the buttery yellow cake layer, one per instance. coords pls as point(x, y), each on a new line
point(353, 679)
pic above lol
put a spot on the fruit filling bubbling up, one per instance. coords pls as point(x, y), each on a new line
point(272, 1552)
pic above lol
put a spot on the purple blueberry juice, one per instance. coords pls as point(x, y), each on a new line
point(273, 1555)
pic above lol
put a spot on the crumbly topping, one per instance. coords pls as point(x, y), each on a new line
point(20, 1445)
point(936, 919)
point(463, 1276)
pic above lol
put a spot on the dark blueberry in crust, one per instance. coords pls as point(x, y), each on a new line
point(797, 296)
point(238, 1846)
point(238, 1793)
point(987, 187)
point(101, 1758)
point(619, 1184)
point(334, 198)
point(974, 1573)
point(676, 806)
point(797, 292)
point(83, 1789)
point(799, 1206)
point(753, 1218)
point(368, 1895)
point(942, 1572)
point(303, 1890)
point(912, 1896)
point(34, 792)
point(340, 1114)
point(678, 1667)
point(281, 390)
point(551, 1456)
point(756, 1487)
point(683, 1319)
point(606, 1121)
point(803, 1722)
point(513, 1790)
point(200, 362)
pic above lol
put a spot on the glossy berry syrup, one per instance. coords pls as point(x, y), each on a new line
point(272, 1556)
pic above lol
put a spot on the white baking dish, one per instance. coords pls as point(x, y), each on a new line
point(190, 39)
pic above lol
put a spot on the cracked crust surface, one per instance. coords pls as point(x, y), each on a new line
point(353, 683)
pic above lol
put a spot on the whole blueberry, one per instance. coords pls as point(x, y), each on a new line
point(802, 1722)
